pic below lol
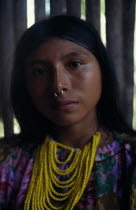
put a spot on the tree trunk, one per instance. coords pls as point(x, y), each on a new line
point(6, 55)
point(39, 9)
point(20, 17)
point(114, 42)
point(93, 13)
point(74, 7)
point(57, 7)
point(128, 57)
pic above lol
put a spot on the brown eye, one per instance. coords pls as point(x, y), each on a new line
point(75, 64)
point(38, 71)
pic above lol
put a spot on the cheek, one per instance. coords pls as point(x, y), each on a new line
point(95, 84)
point(90, 87)
point(36, 90)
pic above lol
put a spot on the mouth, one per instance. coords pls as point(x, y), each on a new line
point(65, 105)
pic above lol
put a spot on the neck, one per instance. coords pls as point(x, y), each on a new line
point(76, 135)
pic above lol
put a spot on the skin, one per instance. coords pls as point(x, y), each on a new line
point(63, 65)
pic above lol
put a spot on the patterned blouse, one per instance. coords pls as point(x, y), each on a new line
point(112, 184)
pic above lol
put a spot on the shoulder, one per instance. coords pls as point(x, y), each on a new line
point(117, 145)
point(6, 144)
point(16, 162)
point(127, 142)
point(13, 145)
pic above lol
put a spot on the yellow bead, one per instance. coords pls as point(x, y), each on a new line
point(42, 193)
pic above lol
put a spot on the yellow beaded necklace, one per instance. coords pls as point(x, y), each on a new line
point(44, 190)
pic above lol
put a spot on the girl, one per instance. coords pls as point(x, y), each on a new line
point(71, 152)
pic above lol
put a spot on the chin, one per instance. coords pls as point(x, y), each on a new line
point(63, 122)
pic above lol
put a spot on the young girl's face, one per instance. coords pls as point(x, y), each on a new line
point(63, 65)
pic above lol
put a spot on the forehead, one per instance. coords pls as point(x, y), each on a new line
point(55, 47)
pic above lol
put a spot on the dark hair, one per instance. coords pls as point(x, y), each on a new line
point(32, 124)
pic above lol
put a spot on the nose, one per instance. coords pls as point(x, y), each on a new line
point(60, 79)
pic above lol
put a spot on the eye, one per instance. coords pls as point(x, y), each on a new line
point(75, 64)
point(38, 71)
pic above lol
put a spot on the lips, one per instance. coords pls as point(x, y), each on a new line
point(63, 105)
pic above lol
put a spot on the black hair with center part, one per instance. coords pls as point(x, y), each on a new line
point(33, 125)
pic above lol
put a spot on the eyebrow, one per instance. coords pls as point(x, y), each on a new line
point(46, 62)
point(75, 54)
point(38, 61)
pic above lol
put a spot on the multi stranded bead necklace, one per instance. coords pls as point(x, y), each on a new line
point(45, 188)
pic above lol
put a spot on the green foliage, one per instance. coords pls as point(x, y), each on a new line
point(134, 119)
point(103, 6)
point(1, 129)
point(83, 8)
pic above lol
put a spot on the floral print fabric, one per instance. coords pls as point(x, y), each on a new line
point(112, 184)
